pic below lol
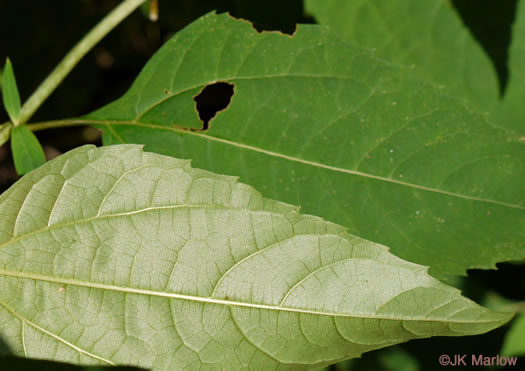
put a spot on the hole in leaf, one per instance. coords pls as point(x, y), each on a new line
point(212, 99)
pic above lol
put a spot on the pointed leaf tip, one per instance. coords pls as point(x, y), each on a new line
point(10, 93)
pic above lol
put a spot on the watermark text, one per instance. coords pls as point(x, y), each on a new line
point(454, 360)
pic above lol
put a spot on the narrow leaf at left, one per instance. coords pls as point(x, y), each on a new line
point(10, 94)
point(27, 151)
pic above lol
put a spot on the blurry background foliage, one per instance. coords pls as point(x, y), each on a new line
point(37, 34)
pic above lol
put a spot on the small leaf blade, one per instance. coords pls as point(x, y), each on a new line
point(10, 94)
point(112, 255)
point(27, 151)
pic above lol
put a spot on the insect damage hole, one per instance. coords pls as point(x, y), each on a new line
point(213, 98)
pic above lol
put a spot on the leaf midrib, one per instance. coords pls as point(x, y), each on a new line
point(209, 300)
point(182, 130)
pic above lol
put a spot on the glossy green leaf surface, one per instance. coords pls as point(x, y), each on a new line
point(116, 256)
point(10, 95)
point(27, 151)
point(426, 34)
point(320, 122)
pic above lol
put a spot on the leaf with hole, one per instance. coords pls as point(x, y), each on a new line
point(116, 256)
point(317, 121)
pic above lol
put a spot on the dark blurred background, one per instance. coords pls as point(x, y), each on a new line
point(37, 34)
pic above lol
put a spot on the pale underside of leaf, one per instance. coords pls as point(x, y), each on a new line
point(113, 255)
point(320, 122)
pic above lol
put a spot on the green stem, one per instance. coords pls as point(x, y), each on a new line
point(43, 125)
point(74, 56)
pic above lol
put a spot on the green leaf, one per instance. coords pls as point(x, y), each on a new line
point(426, 34)
point(356, 140)
point(27, 151)
point(514, 343)
point(10, 92)
point(112, 255)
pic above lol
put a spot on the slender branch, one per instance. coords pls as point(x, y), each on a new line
point(54, 124)
point(75, 55)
